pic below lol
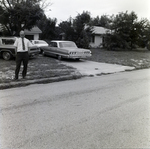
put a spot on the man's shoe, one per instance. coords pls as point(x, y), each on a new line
point(15, 79)
point(23, 77)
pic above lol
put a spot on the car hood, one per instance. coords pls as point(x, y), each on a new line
point(75, 49)
point(33, 47)
point(41, 45)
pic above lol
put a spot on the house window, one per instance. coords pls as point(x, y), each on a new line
point(93, 39)
point(30, 37)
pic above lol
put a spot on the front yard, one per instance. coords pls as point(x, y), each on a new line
point(39, 67)
point(46, 67)
point(139, 59)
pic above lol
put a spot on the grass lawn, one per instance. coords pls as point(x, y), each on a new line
point(39, 67)
point(139, 59)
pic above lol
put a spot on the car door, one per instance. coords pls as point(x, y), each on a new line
point(52, 50)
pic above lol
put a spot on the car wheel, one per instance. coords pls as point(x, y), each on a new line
point(77, 59)
point(59, 57)
point(43, 53)
point(6, 56)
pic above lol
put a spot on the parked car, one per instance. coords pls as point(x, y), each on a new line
point(8, 50)
point(65, 49)
point(40, 44)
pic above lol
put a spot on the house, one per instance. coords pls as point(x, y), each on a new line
point(33, 34)
point(98, 36)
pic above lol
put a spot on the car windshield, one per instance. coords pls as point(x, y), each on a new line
point(40, 42)
point(67, 44)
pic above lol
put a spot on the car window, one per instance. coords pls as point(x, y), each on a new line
point(36, 42)
point(40, 42)
point(67, 44)
point(8, 41)
point(53, 44)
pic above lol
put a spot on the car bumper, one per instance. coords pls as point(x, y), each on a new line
point(34, 52)
point(79, 56)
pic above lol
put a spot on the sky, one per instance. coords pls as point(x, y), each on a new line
point(64, 9)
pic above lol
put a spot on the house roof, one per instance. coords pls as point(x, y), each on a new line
point(99, 30)
point(34, 30)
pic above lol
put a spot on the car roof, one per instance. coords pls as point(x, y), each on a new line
point(37, 40)
point(11, 37)
point(60, 41)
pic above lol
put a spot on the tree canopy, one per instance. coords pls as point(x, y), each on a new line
point(76, 30)
point(19, 14)
point(48, 27)
point(128, 32)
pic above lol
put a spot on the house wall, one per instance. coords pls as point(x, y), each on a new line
point(97, 42)
point(33, 34)
point(36, 36)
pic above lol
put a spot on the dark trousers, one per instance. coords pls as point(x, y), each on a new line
point(21, 57)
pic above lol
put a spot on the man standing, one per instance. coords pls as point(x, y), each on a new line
point(22, 46)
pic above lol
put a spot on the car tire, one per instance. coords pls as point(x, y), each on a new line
point(43, 53)
point(6, 56)
point(59, 57)
point(77, 59)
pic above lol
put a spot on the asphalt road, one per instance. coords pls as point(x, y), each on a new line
point(110, 111)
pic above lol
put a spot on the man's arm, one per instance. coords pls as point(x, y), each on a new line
point(16, 45)
point(30, 44)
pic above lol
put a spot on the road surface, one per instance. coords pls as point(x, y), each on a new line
point(109, 111)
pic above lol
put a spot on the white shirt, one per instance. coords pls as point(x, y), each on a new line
point(18, 44)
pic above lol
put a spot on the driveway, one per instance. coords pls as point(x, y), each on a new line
point(90, 68)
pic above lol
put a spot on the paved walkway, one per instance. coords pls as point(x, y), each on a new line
point(90, 68)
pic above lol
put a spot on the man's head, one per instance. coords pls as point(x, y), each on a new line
point(22, 34)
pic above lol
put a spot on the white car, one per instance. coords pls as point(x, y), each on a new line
point(39, 44)
point(65, 49)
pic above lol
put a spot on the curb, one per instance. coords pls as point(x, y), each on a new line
point(22, 83)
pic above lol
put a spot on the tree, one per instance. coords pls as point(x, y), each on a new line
point(48, 26)
point(78, 29)
point(66, 27)
point(19, 14)
point(102, 21)
point(127, 31)
point(82, 29)
point(143, 31)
